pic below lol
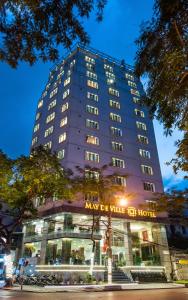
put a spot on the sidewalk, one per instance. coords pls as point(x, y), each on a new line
point(96, 288)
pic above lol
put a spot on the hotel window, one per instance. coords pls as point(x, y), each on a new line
point(110, 75)
point(40, 104)
point(65, 107)
point(92, 110)
point(152, 205)
point(63, 122)
point(141, 125)
point(148, 186)
point(50, 117)
point(66, 93)
point(66, 81)
point(117, 162)
point(117, 146)
point(92, 124)
point(116, 131)
point(135, 92)
point(48, 145)
point(108, 68)
point(128, 76)
point(34, 141)
point(90, 67)
point(147, 169)
point(113, 92)
point(139, 113)
point(55, 84)
point(61, 154)
point(91, 156)
point(38, 116)
point(120, 180)
point(92, 175)
point(62, 137)
point(132, 84)
point(110, 81)
point(48, 131)
point(60, 75)
point(89, 59)
point(92, 96)
point(72, 63)
point(36, 127)
point(144, 153)
point(92, 196)
point(142, 139)
point(52, 104)
point(90, 139)
point(48, 86)
point(92, 84)
point(91, 75)
point(54, 92)
point(114, 117)
point(69, 73)
point(44, 94)
point(136, 100)
point(114, 104)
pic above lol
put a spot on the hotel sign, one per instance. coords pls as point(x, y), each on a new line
point(129, 211)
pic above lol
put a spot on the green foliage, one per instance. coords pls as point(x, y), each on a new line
point(34, 29)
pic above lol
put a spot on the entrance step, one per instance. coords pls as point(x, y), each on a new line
point(118, 276)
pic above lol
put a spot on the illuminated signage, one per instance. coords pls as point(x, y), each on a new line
point(183, 261)
point(130, 211)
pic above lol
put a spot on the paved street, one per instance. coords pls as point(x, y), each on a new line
point(168, 294)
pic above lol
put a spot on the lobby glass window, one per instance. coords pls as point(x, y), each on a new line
point(117, 146)
point(90, 139)
point(65, 107)
point(38, 116)
point(92, 84)
point(120, 180)
point(113, 92)
point(54, 92)
point(129, 76)
point(66, 93)
point(92, 124)
point(115, 117)
point(34, 140)
point(147, 170)
point(52, 104)
point(91, 156)
point(144, 153)
point(40, 104)
point(91, 75)
point(149, 186)
point(116, 131)
point(92, 96)
point(136, 100)
point(36, 128)
point(134, 92)
point(139, 113)
point(117, 162)
point(48, 145)
point(61, 154)
point(108, 68)
point(48, 131)
point(141, 125)
point(132, 84)
point(90, 60)
point(142, 139)
point(63, 122)
point(67, 81)
point(114, 104)
point(62, 137)
point(50, 117)
point(92, 110)
point(92, 175)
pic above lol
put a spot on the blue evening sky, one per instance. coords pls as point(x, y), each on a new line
point(20, 89)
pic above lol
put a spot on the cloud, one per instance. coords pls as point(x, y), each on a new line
point(175, 182)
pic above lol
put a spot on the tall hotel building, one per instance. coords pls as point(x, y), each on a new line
point(90, 114)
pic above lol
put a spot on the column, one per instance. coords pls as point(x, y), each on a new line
point(43, 243)
point(128, 244)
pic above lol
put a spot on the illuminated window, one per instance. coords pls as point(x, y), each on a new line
point(34, 140)
point(89, 59)
point(110, 81)
point(66, 93)
point(92, 84)
point(92, 175)
point(36, 128)
point(92, 196)
point(72, 63)
point(54, 92)
point(110, 75)
point(48, 86)
point(142, 139)
point(48, 131)
point(132, 84)
point(135, 92)
point(136, 100)
point(117, 162)
point(139, 113)
point(63, 122)
point(91, 156)
point(120, 180)
point(44, 94)
point(60, 75)
point(52, 104)
point(62, 137)
point(61, 154)
point(66, 81)
point(55, 84)
point(48, 145)
point(141, 125)
point(90, 139)
point(115, 117)
point(91, 75)
point(129, 76)
point(114, 104)
point(147, 170)
point(92, 110)
point(92, 96)
point(144, 153)
point(40, 104)
point(113, 92)
point(90, 67)
point(50, 117)
point(117, 146)
point(116, 131)
point(149, 186)
point(92, 124)
point(69, 73)
point(108, 68)
point(65, 107)
point(38, 116)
